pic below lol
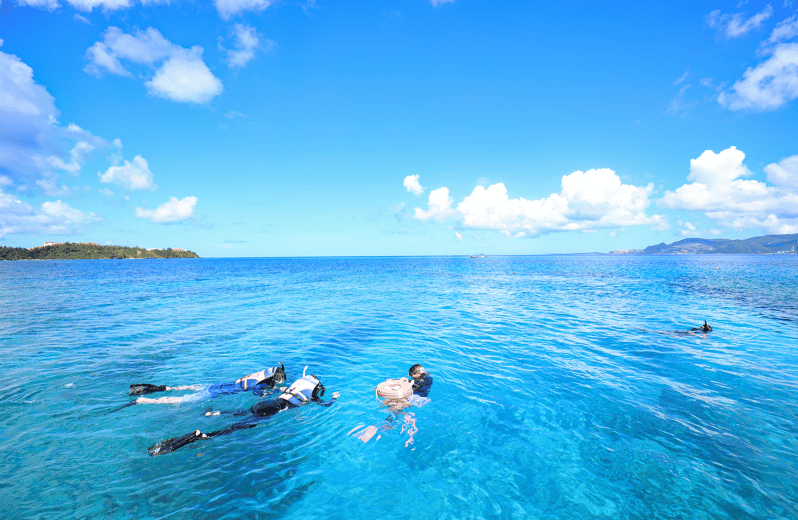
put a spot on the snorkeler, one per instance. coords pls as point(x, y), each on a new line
point(397, 395)
point(258, 383)
point(308, 389)
point(703, 328)
point(422, 383)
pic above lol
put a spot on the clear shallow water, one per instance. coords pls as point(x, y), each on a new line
point(560, 390)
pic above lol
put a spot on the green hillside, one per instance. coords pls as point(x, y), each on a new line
point(70, 251)
point(768, 244)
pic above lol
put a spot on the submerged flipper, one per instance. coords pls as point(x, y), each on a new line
point(131, 403)
point(170, 445)
point(145, 388)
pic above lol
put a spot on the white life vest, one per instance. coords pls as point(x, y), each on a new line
point(301, 391)
point(257, 376)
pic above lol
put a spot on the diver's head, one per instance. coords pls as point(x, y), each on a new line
point(705, 327)
point(416, 372)
point(279, 374)
point(318, 390)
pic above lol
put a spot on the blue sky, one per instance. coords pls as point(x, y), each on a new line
point(263, 128)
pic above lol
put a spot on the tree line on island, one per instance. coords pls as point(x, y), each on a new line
point(72, 251)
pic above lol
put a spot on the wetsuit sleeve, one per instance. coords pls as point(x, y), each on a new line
point(324, 403)
point(264, 387)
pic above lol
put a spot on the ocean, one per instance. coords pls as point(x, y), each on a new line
point(565, 387)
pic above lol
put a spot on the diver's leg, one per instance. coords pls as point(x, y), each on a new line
point(242, 425)
point(188, 398)
point(170, 445)
point(228, 412)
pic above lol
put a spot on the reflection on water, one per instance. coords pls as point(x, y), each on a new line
point(562, 389)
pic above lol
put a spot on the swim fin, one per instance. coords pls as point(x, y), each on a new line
point(145, 388)
point(131, 403)
point(170, 445)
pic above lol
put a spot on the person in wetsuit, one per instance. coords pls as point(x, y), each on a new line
point(308, 389)
point(258, 383)
point(422, 384)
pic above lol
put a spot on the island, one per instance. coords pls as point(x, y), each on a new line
point(762, 245)
point(89, 251)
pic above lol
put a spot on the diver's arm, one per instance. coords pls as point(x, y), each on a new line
point(170, 445)
point(327, 403)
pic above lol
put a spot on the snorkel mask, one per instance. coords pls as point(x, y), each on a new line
point(318, 390)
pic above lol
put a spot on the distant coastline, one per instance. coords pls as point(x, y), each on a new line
point(90, 251)
point(763, 245)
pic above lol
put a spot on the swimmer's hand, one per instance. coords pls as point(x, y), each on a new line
point(336, 394)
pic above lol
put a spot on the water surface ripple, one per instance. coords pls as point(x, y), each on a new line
point(563, 388)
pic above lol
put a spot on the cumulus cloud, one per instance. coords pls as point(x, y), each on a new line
point(35, 150)
point(588, 201)
point(412, 185)
point(179, 74)
point(784, 174)
point(247, 42)
point(769, 85)
point(52, 218)
point(230, 8)
point(720, 191)
point(174, 210)
point(131, 176)
point(440, 206)
point(736, 25)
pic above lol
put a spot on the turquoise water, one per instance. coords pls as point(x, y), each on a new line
point(561, 390)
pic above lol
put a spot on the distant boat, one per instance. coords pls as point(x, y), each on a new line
point(478, 256)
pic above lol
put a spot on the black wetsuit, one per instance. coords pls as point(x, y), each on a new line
point(422, 387)
point(260, 410)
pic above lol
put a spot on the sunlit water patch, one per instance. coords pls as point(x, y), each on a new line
point(563, 387)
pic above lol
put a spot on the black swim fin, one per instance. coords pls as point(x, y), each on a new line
point(170, 445)
point(131, 403)
point(145, 388)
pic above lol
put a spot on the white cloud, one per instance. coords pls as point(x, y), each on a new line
point(89, 5)
point(767, 86)
point(784, 31)
point(785, 173)
point(720, 192)
point(736, 25)
point(458, 236)
point(173, 210)
point(436, 3)
point(34, 148)
point(588, 201)
point(131, 176)
point(440, 206)
point(247, 41)
point(412, 185)
point(185, 77)
point(229, 8)
point(52, 218)
point(82, 19)
point(179, 74)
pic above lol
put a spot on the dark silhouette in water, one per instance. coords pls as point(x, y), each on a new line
point(704, 328)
